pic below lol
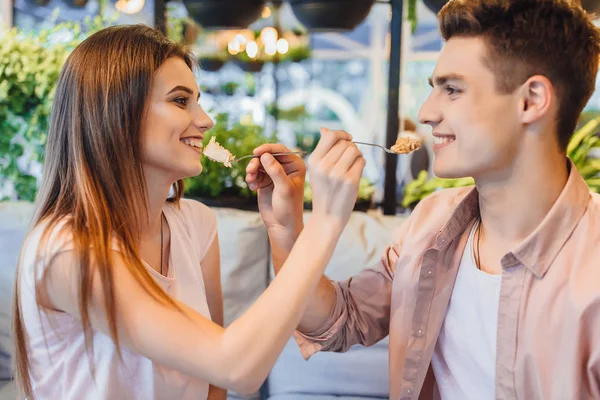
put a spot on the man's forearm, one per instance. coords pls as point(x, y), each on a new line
point(322, 302)
point(319, 308)
point(282, 244)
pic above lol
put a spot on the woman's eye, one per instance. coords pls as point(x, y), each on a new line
point(181, 101)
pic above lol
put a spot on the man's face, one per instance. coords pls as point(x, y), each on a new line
point(477, 130)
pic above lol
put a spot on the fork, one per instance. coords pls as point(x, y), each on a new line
point(376, 145)
point(300, 153)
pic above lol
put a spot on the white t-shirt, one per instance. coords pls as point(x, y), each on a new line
point(59, 359)
point(464, 359)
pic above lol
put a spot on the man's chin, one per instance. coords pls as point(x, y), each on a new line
point(448, 173)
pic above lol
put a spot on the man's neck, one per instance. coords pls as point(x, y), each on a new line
point(514, 203)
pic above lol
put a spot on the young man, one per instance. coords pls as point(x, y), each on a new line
point(492, 291)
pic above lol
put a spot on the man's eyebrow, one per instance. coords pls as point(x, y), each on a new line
point(442, 79)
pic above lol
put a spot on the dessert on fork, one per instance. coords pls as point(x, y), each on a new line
point(215, 152)
point(406, 144)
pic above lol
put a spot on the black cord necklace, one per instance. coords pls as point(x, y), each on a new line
point(477, 258)
point(161, 244)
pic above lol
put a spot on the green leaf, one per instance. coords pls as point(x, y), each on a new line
point(590, 169)
point(587, 130)
point(217, 180)
point(29, 68)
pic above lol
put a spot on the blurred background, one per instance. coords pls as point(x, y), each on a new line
point(271, 70)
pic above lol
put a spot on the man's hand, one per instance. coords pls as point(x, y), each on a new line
point(280, 185)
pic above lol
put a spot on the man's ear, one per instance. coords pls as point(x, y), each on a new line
point(537, 99)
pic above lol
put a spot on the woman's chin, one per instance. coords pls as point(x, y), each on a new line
point(196, 171)
point(190, 172)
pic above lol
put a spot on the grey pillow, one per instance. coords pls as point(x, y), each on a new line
point(359, 372)
point(245, 256)
point(244, 247)
point(15, 218)
point(298, 396)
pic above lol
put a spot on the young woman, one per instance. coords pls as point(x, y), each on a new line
point(117, 292)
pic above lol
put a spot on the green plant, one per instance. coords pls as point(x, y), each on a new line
point(411, 15)
point(296, 113)
point(261, 57)
point(214, 56)
point(583, 141)
point(229, 88)
point(29, 68)
point(297, 54)
point(585, 138)
point(307, 141)
point(217, 180)
point(422, 187)
point(180, 27)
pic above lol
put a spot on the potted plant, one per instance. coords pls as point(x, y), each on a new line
point(29, 68)
point(220, 186)
point(248, 64)
point(212, 62)
point(297, 54)
point(224, 13)
point(331, 15)
point(229, 88)
point(294, 114)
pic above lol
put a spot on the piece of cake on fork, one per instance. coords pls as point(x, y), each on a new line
point(215, 152)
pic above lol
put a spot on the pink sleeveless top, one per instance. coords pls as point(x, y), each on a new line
point(60, 362)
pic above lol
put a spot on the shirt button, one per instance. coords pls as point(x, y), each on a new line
point(429, 272)
point(409, 391)
point(420, 332)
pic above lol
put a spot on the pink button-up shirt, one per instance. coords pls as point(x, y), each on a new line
point(548, 338)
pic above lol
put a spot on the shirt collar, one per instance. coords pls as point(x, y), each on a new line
point(542, 246)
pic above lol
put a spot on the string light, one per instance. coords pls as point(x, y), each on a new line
point(130, 6)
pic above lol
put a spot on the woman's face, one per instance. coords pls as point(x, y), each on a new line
point(174, 124)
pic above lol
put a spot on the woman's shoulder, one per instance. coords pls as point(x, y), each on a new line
point(194, 210)
point(49, 237)
point(45, 241)
point(197, 219)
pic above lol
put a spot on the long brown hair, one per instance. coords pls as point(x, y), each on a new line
point(93, 174)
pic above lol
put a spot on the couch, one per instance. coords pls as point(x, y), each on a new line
point(359, 374)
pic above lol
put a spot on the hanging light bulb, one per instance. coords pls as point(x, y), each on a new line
point(240, 39)
point(130, 6)
point(233, 47)
point(266, 12)
point(283, 46)
point(271, 49)
point(268, 36)
point(252, 49)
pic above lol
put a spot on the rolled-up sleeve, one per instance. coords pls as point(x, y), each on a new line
point(361, 314)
